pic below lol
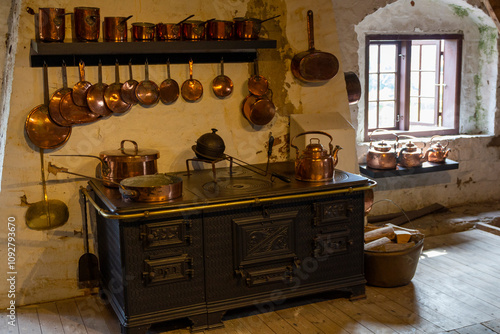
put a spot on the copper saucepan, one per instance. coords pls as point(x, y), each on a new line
point(222, 85)
point(194, 30)
point(170, 31)
point(192, 89)
point(143, 31)
point(248, 28)
point(112, 95)
point(40, 128)
point(81, 87)
point(169, 88)
point(95, 96)
point(55, 100)
point(115, 29)
point(87, 23)
point(257, 84)
point(51, 24)
point(259, 110)
point(127, 91)
point(220, 29)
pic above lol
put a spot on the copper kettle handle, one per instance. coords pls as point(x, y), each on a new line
point(330, 145)
point(386, 131)
point(415, 139)
point(122, 148)
point(432, 139)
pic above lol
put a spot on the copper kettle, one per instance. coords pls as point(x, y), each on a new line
point(315, 163)
point(382, 155)
point(437, 152)
point(411, 155)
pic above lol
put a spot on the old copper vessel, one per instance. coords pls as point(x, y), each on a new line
point(437, 152)
point(410, 155)
point(220, 29)
point(87, 23)
point(315, 163)
point(51, 24)
point(115, 29)
point(143, 31)
point(382, 155)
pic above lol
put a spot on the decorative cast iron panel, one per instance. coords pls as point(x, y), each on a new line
point(258, 240)
point(332, 212)
point(283, 274)
point(332, 244)
point(167, 270)
point(172, 233)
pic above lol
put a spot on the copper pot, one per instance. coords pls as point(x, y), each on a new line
point(258, 110)
point(220, 30)
point(151, 188)
point(382, 155)
point(193, 30)
point(115, 29)
point(170, 31)
point(51, 24)
point(411, 156)
point(87, 23)
point(124, 163)
point(143, 31)
point(248, 28)
point(315, 163)
point(437, 152)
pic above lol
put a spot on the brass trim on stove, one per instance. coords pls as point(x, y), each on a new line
point(145, 214)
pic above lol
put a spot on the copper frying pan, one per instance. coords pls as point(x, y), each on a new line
point(55, 101)
point(127, 91)
point(169, 88)
point(81, 87)
point(313, 65)
point(222, 85)
point(257, 84)
point(112, 95)
point(40, 129)
point(192, 89)
point(95, 96)
point(147, 91)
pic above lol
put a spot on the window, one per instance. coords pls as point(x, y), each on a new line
point(413, 83)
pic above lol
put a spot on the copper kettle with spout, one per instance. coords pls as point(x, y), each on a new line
point(382, 155)
point(411, 155)
point(315, 163)
point(437, 152)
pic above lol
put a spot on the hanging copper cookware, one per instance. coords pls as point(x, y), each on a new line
point(87, 23)
point(81, 87)
point(259, 110)
point(353, 87)
point(257, 84)
point(95, 96)
point(75, 114)
point(147, 91)
point(169, 88)
point(143, 31)
point(314, 65)
point(55, 100)
point(192, 89)
point(115, 29)
point(170, 31)
point(112, 95)
point(222, 85)
point(40, 128)
point(248, 28)
point(127, 92)
point(51, 24)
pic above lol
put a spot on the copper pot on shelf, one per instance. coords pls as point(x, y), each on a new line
point(115, 28)
point(248, 28)
point(143, 31)
point(51, 24)
point(220, 29)
point(382, 155)
point(410, 155)
point(315, 163)
point(437, 152)
point(194, 30)
point(87, 23)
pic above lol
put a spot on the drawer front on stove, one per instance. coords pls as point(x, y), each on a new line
point(331, 212)
point(166, 234)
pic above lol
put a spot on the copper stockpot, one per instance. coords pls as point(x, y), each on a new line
point(87, 23)
point(220, 30)
point(315, 163)
point(248, 28)
point(193, 30)
point(124, 163)
point(170, 31)
point(143, 31)
point(51, 24)
point(115, 29)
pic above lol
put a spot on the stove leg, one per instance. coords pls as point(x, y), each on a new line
point(199, 322)
point(135, 330)
point(215, 319)
point(357, 292)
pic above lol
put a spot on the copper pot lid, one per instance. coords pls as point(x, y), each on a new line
point(130, 154)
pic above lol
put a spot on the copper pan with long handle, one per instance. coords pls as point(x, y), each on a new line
point(112, 95)
point(81, 87)
point(95, 96)
point(314, 65)
point(55, 101)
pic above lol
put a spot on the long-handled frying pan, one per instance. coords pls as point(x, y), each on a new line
point(313, 65)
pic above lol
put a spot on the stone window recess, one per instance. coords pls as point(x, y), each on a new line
point(477, 103)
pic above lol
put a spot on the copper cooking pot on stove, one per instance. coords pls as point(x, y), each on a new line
point(315, 163)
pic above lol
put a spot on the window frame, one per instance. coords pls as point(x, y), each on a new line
point(450, 116)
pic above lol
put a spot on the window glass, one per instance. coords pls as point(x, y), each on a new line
point(387, 86)
point(429, 57)
point(415, 57)
point(386, 115)
point(428, 86)
point(372, 119)
point(373, 67)
point(372, 87)
point(427, 110)
point(387, 58)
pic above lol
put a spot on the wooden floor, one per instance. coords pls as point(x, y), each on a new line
point(456, 290)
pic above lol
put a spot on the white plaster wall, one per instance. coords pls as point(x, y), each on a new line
point(47, 260)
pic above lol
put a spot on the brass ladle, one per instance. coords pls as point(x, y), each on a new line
point(46, 214)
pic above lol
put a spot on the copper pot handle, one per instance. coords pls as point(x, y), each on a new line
point(122, 148)
point(386, 131)
point(330, 145)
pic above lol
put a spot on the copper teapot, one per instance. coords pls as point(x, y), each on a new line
point(315, 163)
point(382, 155)
point(437, 152)
point(410, 155)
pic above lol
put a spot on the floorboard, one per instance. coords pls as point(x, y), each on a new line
point(455, 291)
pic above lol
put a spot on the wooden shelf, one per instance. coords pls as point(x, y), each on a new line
point(156, 52)
point(427, 167)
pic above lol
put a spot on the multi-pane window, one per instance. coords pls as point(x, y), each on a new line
point(413, 83)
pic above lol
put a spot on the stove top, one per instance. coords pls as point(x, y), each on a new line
point(231, 184)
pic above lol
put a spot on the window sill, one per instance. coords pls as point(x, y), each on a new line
point(427, 167)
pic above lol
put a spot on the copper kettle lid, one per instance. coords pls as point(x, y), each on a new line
point(382, 147)
point(410, 147)
point(130, 154)
point(315, 148)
